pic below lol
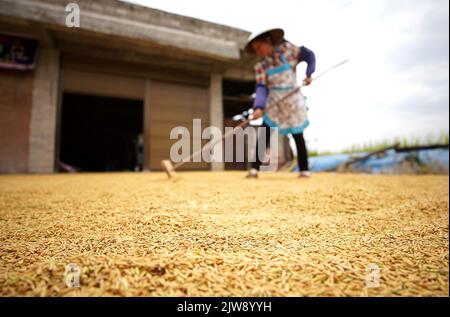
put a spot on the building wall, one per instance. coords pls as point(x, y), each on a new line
point(29, 106)
point(171, 98)
point(172, 105)
point(15, 110)
point(131, 51)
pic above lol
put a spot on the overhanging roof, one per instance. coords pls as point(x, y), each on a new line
point(116, 18)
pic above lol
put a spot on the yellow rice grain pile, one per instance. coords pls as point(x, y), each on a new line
point(218, 234)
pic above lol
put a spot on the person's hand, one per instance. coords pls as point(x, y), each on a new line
point(258, 113)
point(307, 81)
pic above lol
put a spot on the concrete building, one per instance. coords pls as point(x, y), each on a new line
point(127, 73)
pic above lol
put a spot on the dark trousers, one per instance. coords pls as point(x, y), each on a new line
point(302, 153)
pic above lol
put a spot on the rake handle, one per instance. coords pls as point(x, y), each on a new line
point(241, 125)
point(226, 135)
point(244, 123)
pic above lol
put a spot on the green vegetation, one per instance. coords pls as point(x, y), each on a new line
point(314, 153)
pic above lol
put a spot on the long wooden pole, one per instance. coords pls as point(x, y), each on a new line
point(244, 123)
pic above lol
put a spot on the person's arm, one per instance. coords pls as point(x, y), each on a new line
point(261, 91)
point(308, 56)
point(259, 104)
point(261, 94)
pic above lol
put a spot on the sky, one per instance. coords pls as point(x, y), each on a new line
point(396, 83)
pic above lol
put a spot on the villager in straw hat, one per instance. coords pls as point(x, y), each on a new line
point(275, 75)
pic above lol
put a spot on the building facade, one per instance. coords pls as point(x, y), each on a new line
point(90, 97)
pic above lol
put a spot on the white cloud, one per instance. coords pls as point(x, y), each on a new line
point(396, 83)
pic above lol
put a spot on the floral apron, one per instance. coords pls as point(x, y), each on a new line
point(289, 116)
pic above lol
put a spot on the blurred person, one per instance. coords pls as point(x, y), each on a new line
point(275, 75)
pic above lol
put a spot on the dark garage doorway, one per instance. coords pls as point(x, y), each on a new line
point(101, 134)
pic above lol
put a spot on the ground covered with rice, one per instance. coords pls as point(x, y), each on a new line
point(218, 234)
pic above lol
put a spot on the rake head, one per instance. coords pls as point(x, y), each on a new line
point(168, 168)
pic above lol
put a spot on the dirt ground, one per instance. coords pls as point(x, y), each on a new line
point(218, 234)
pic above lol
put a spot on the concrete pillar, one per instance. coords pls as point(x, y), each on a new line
point(41, 158)
point(147, 124)
point(216, 110)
